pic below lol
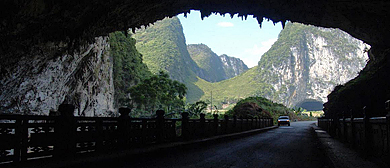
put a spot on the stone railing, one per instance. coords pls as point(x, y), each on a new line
point(370, 135)
point(23, 138)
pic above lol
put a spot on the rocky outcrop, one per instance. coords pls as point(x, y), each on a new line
point(232, 66)
point(214, 68)
point(42, 82)
point(370, 90)
point(307, 62)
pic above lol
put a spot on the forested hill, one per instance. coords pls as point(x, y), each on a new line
point(304, 64)
point(215, 68)
point(163, 47)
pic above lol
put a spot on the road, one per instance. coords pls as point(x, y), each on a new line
point(294, 146)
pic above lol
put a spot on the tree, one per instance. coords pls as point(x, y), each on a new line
point(128, 69)
point(196, 108)
point(158, 90)
point(298, 110)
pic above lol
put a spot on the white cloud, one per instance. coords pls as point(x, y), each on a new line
point(225, 24)
point(254, 54)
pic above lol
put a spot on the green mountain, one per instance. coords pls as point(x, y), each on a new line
point(215, 68)
point(128, 68)
point(302, 66)
point(164, 48)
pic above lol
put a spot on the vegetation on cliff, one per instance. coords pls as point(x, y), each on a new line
point(135, 86)
point(128, 69)
point(164, 49)
point(208, 61)
point(215, 68)
point(158, 91)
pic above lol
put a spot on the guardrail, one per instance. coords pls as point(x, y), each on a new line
point(370, 135)
point(24, 138)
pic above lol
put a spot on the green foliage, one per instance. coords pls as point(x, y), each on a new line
point(208, 61)
point(195, 109)
point(158, 90)
point(128, 67)
point(163, 48)
point(298, 110)
point(269, 108)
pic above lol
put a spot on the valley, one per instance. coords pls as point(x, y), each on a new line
point(303, 65)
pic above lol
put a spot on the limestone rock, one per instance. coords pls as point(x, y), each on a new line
point(41, 84)
point(313, 63)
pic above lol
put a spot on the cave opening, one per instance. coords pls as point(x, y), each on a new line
point(310, 105)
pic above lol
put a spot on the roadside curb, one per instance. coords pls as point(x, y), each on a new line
point(340, 155)
point(110, 156)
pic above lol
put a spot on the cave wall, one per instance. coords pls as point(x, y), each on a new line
point(42, 81)
point(370, 90)
point(42, 20)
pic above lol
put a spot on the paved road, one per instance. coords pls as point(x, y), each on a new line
point(294, 146)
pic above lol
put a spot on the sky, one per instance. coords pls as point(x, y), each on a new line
point(235, 37)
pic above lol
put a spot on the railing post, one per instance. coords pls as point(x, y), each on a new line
point(270, 122)
point(247, 124)
point(234, 123)
point(185, 132)
point(216, 123)
point(251, 127)
point(226, 127)
point(65, 130)
point(99, 132)
point(333, 127)
point(144, 131)
point(123, 127)
point(160, 125)
point(173, 131)
point(261, 120)
point(387, 107)
point(352, 130)
point(345, 129)
point(20, 136)
point(367, 131)
point(202, 121)
point(241, 124)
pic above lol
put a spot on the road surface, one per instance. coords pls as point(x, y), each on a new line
point(290, 147)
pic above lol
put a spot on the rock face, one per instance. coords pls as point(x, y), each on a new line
point(232, 66)
point(307, 62)
point(215, 68)
point(42, 83)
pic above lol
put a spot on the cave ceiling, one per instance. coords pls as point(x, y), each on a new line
point(28, 23)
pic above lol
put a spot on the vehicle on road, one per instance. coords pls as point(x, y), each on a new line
point(284, 120)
